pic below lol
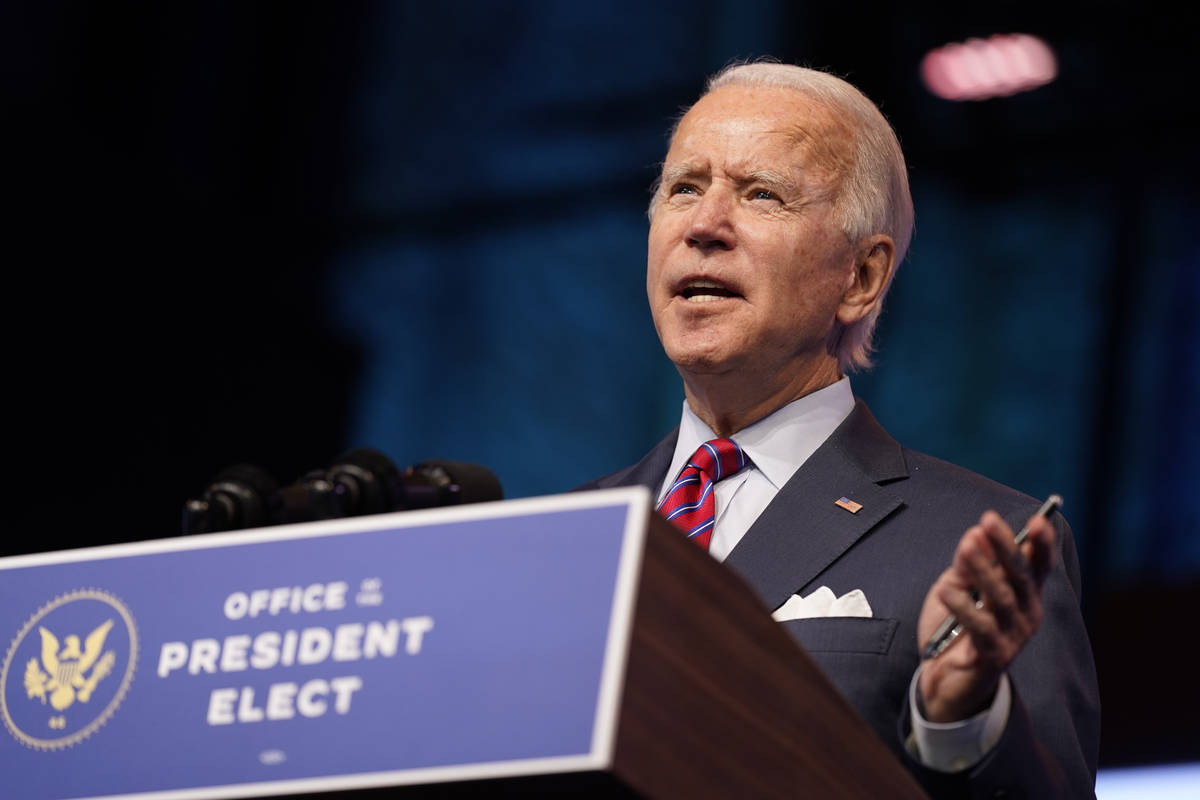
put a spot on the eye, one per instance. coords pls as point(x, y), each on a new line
point(683, 188)
point(763, 194)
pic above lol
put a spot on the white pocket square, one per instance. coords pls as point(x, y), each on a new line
point(822, 603)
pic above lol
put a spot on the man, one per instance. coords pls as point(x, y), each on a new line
point(781, 215)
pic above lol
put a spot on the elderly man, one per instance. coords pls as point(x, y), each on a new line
point(781, 215)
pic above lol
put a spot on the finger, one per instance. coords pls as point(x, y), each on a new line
point(1015, 572)
point(991, 580)
point(973, 544)
point(968, 610)
point(993, 647)
point(994, 624)
point(934, 611)
point(953, 578)
point(979, 626)
point(1038, 548)
point(959, 601)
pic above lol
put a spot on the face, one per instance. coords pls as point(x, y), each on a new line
point(746, 265)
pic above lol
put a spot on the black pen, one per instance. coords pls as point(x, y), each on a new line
point(950, 628)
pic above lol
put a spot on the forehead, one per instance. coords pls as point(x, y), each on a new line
point(744, 126)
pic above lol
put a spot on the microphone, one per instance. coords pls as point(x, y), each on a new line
point(366, 481)
point(438, 482)
point(241, 496)
point(361, 482)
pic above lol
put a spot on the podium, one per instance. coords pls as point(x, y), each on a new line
point(573, 645)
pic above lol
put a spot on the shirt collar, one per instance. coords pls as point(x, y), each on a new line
point(779, 442)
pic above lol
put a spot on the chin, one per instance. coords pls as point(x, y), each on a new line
point(699, 361)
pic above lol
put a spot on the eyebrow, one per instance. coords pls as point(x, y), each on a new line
point(772, 178)
point(675, 172)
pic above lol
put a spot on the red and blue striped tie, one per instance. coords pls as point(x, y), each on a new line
point(689, 503)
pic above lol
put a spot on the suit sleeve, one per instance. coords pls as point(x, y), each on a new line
point(1050, 744)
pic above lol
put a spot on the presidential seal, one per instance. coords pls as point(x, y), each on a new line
point(68, 669)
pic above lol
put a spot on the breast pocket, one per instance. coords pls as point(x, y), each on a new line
point(844, 634)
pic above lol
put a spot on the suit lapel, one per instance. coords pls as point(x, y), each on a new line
point(650, 472)
point(803, 531)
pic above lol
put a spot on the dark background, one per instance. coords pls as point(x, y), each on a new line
point(271, 232)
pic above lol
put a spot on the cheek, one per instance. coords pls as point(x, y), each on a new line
point(658, 252)
point(824, 263)
point(808, 294)
point(653, 258)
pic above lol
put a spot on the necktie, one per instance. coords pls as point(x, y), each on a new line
point(689, 503)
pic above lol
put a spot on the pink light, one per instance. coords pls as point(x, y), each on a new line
point(998, 66)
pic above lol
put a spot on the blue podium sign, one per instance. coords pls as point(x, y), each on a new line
point(456, 644)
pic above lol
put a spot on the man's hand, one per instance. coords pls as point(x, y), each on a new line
point(962, 681)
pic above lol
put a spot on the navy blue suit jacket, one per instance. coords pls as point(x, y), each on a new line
point(914, 511)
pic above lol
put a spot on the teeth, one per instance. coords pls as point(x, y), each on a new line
point(705, 290)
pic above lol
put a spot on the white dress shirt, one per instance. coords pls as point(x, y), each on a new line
point(777, 445)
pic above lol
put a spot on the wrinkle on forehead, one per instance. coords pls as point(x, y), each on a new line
point(828, 142)
point(822, 137)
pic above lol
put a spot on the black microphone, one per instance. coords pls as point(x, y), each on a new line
point(363, 481)
point(241, 496)
point(367, 482)
point(438, 482)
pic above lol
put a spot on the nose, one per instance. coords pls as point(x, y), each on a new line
point(711, 225)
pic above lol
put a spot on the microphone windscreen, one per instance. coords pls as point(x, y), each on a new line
point(254, 478)
point(478, 484)
point(241, 496)
point(368, 482)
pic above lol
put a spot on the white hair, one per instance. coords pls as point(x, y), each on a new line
point(873, 194)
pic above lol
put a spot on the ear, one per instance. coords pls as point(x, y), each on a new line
point(874, 262)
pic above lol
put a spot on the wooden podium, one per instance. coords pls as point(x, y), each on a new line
point(719, 701)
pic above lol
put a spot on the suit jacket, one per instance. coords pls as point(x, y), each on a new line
point(915, 509)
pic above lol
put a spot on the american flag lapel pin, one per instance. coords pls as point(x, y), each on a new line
point(848, 504)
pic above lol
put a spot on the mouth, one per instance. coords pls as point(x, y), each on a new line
point(705, 290)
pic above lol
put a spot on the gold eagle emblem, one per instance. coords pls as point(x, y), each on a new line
point(66, 677)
